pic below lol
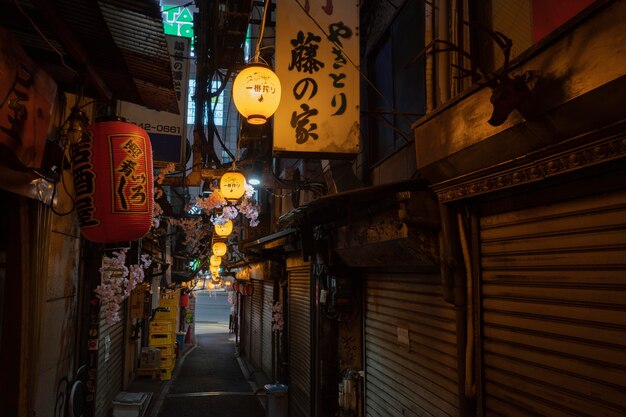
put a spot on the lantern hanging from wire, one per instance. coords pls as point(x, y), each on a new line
point(232, 185)
point(215, 260)
point(224, 229)
point(256, 89)
point(256, 93)
point(214, 270)
point(219, 248)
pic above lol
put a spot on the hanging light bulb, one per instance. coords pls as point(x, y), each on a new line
point(224, 229)
point(219, 248)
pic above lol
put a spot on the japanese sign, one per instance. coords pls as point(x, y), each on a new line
point(130, 173)
point(166, 130)
point(27, 96)
point(318, 70)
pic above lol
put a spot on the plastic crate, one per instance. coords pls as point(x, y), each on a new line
point(167, 362)
point(166, 315)
point(167, 351)
point(166, 374)
point(164, 326)
point(160, 339)
point(168, 302)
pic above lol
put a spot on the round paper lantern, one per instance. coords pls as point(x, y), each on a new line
point(224, 229)
point(215, 270)
point(233, 185)
point(256, 93)
point(113, 181)
point(219, 248)
point(215, 260)
point(184, 300)
point(236, 286)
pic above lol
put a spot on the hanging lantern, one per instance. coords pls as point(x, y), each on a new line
point(215, 260)
point(215, 270)
point(256, 93)
point(233, 185)
point(184, 300)
point(224, 229)
point(219, 248)
point(113, 181)
point(236, 286)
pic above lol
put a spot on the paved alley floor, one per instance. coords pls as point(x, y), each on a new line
point(210, 382)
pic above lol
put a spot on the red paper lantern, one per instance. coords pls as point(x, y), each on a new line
point(236, 286)
point(113, 181)
point(184, 300)
point(247, 289)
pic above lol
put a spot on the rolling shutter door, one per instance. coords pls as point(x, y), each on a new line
point(299, 341)
point(110, 360)
point(416, 381)
point(257, 323)
point(268, 292)
point(246, 331)
point(554, 309)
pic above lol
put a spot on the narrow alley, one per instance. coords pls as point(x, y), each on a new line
point(209, 379)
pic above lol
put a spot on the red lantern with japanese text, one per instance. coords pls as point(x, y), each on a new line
point(113, 182)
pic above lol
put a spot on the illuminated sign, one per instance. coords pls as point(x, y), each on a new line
point(317, 64)
point(177, 21)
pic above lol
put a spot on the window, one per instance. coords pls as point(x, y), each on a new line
point(217, 105)
point(400, 98)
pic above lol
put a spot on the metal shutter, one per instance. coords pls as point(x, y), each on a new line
point(246, 330)
point(299, 310)
point(268, 293)
point(421, 380)
point(554, 309)
point(110, 360)
point(257, 323)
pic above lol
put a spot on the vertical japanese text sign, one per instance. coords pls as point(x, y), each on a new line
point(319, 107)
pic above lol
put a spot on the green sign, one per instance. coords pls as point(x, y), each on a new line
point(177, 21)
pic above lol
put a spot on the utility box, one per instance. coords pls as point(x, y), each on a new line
point(277, 400)
point(131, 404)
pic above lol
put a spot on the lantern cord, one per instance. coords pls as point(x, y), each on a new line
point(257, 52)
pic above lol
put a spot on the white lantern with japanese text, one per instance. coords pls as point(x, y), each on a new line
point(224, 229)
point(256, 93)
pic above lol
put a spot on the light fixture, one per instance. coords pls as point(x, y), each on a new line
point(215, 260)
point(219, 248)
point(232, 185)
point(256, 89)
point(254, 181)
point(215, 271)
point(224, 229)
point(256, 93)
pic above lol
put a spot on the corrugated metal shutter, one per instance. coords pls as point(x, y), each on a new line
point(554, 309)
point(110, 360)
point(420, 380)
point(299, 317)
point(246, 331)
point(257, 324)
point(268, 293)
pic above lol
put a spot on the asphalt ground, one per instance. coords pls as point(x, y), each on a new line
point(210, 382)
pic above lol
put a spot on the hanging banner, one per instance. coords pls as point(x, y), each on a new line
point(318, 71)
point(166, 130)
point(27, 96)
